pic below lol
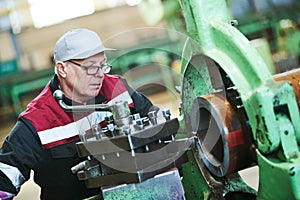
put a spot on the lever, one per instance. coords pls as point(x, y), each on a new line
point(59, 95)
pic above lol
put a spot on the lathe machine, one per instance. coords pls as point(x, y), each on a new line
point(234, 115)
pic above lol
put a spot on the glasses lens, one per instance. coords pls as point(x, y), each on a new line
point(92, 70)
point(106, 68)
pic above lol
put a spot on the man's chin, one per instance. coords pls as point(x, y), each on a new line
point(93, 93)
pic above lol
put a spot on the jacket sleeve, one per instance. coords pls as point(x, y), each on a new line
point(142, 104)
point(6, 195)
point(18, 155)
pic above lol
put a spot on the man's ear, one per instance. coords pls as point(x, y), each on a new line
point(61, 69)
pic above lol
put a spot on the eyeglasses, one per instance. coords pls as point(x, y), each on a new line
point(92, 70)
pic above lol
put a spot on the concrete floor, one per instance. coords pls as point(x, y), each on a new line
point(31, 191)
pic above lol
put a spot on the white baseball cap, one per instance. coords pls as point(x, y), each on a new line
point(78, 44)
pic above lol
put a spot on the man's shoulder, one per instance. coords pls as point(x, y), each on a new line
point(111, 76)
point(44, 100)
point(42, 107)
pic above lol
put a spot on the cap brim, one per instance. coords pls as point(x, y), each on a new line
point(109, 49)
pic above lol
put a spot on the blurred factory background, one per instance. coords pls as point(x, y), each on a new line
point(149, 36)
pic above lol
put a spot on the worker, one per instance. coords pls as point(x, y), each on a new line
point(44, 137)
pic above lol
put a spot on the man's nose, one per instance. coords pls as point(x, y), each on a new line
point(100, 73)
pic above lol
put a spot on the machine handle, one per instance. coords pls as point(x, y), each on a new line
point(59, 95)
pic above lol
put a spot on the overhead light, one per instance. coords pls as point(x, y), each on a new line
point(49, 12)
point(115, 3)
point(133, 2)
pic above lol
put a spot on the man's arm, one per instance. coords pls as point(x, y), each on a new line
point(19, 153)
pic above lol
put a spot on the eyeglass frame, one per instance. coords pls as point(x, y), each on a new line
point(88, 67)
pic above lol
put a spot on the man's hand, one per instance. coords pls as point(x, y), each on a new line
point(6, 195)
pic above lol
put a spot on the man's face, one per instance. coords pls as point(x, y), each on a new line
point(85, 86)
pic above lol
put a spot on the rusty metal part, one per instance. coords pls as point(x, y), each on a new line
point(292, 76)
point(221, 140)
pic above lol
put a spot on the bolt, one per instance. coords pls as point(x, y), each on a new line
point(234, 22)
point(166, 113)
point(153, 117)
point(146, 148)
point(276, 101)
point(292, 171)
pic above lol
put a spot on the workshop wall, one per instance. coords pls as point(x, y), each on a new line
point(6, 47)
point(36, 45)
